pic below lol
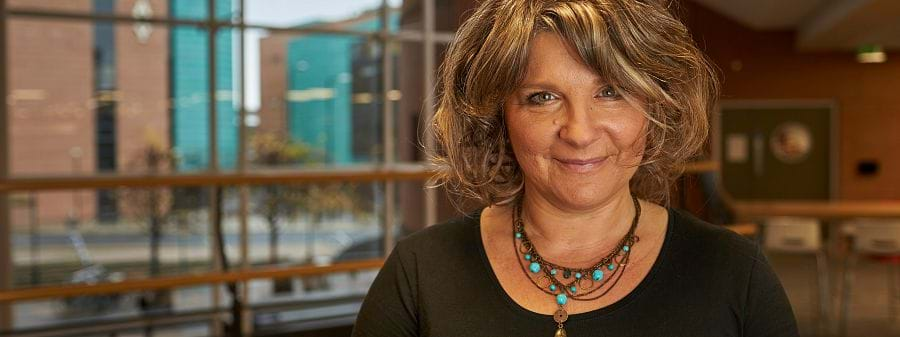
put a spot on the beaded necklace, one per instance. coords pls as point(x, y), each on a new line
point(566, 283)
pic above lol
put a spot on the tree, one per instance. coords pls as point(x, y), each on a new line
point(285, 202)
point(278, 202)
point(154, 204)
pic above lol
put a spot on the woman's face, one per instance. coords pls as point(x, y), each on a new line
point(576, 139)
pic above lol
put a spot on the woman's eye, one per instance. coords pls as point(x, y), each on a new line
point(609, 92)
point(541, 98)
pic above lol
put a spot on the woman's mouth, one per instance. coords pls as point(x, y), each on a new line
point(580, 165)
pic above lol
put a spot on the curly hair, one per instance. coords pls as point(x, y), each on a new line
point(636, 45)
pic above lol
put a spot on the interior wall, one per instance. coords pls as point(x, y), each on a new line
point(765, 65)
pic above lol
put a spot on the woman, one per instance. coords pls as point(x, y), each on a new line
point(569, 120)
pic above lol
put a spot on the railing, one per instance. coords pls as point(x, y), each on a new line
point(181, 281)
point(362, 173)
point(743, 209)
point(818, 209)
point(357, 173)
point(257, 177)
point(396, 172)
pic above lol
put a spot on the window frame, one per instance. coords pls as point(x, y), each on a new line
point(388, 170)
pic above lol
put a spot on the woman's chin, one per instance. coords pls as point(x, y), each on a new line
point(583, 201)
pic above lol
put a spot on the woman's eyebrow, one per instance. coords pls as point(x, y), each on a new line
point(538, 85)
point(599, 82)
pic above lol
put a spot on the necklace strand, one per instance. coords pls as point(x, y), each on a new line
point(584, 278)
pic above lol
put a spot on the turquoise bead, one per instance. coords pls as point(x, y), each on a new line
point(552, 271)
point(626, 248)
point(518, 235)
point(535, 267)
point(561, 299)
point(611, 266)
point(552, 287)
point(577, 275)
point(573, 289)
point(598, 275)
point(528, 257)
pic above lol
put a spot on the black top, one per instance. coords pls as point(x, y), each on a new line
point(707, 281)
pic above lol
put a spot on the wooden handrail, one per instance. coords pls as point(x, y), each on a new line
point(701, 166)
point(745, 229)
point(354, 174)
point(817, 209)
point(262, 177)
point(359, 173)
point(182, 281)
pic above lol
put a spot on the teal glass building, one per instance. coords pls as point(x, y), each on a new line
point(190, 86)
point(324, 72)
point(326, 75)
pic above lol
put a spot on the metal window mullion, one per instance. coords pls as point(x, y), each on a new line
point(428, 110)
point(213, 163)
point(387, 119)
point(212, 30)
point(6, 271)
point(244, 190)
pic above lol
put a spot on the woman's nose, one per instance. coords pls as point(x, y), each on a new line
point(577, 128)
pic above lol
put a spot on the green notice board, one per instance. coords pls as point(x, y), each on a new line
point(777, 150)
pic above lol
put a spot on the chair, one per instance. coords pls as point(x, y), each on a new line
point(798, 235)
point(878, 239)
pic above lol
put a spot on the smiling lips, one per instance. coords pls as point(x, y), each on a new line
point(581, 165)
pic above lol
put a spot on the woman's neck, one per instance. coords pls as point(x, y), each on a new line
point(571, 237)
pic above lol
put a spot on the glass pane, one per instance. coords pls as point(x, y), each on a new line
point(72, 5)
point(181, 9)
point(449, 14)
point(410, 208)
point(350, 15)
point(199, 9)
point(314, 224)
point(90, 98)
point(190, 98)
point(61, 238)
point(409, 94)
point(313, 100)
point(100, 313)
point(409, 86)
point(87, 236)
point(50, 63)
point(411, 204)
point(200, 328)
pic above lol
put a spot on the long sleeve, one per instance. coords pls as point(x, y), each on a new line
point(390, 307)
point(768, 312)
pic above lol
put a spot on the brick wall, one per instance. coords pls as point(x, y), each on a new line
point(51, 112)
point(51, 81)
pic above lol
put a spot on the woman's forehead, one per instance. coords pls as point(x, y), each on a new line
point(552, 59)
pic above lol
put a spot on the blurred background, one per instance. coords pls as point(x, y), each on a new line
point(242, 167)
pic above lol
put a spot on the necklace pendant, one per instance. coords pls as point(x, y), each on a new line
point(560, 316)
point(560, 332)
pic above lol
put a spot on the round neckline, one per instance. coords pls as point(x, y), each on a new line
point(593, 314)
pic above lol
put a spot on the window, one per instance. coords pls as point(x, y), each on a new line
point(291, 141)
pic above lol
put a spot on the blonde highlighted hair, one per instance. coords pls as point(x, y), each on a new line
point(638, 46)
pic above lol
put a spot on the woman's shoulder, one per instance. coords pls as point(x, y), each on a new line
point(733, 270)
point(702, 238)
point(456, 234)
